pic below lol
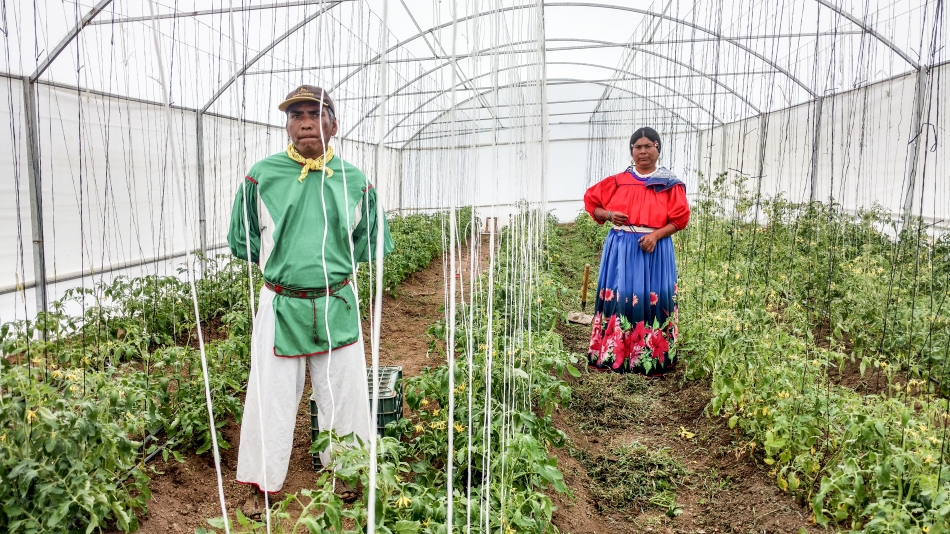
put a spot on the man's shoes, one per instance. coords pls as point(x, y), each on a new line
point(346, 492)
point(253, 507)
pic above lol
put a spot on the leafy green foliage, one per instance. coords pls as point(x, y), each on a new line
point(79, 404)
point(522, 381)
point(64, 450)
point(417, 239)
point(776, 312)
point(85, 391)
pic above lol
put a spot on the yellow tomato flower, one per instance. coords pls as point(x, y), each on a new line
point(438, 425)
point(419, 428)
point(30, 416)
point(403, 501)
point(425, 402)
point(435, 412)
point(459, 427)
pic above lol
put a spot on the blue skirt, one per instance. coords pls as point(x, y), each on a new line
point(635, 320)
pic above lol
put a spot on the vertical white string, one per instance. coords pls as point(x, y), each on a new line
point(189, 263)
point(250, 270)
point(380, 242)
point(450, 321)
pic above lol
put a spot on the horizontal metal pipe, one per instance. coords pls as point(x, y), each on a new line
point(111, 268)
point(444, 208)
point(204, 12)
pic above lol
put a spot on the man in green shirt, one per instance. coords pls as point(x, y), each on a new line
point(306, 217)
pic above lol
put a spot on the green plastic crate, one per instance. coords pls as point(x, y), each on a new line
point(389, 408)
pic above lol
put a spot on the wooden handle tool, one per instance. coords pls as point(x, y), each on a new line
point(584, 290)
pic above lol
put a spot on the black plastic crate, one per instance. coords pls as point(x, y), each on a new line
point(389, 407)
point(314, 432)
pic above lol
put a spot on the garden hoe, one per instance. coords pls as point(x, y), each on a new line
point(582, 317)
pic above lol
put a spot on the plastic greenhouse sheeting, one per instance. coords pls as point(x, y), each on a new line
point(549, 90)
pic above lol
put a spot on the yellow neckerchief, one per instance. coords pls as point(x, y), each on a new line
point(318, 164)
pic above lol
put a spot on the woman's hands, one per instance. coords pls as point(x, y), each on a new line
point(614, 217)
point(648, 241)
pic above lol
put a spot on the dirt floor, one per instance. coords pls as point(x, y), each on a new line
point(723, 488)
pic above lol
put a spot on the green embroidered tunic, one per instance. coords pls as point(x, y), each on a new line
point(299, 244)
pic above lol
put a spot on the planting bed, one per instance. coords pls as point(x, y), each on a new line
point(807, 398)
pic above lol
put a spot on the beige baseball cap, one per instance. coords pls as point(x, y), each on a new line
point(307, 93)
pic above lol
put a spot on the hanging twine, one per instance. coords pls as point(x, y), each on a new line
point(318, 164)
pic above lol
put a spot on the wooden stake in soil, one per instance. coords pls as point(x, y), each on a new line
point(582, 317)
point(584, 290)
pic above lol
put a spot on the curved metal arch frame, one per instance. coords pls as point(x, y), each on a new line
point(675, 62)
point(857, 22)
point(224, 87)
point(672, 19)
point(675, 20)
point(619, 45)
point(409, 83)
point(507, 86)
point(446, 111)
point(74, 32)
point(404, 42)
point(516, 84)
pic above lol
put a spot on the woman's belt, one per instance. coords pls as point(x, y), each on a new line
point(635, 229)
point(312, 295)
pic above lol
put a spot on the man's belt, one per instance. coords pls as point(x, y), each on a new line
point(312, 295)
point(309, 294)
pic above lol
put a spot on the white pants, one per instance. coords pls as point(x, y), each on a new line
point(274, 389)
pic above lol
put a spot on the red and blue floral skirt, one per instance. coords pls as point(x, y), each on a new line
point(635, 320)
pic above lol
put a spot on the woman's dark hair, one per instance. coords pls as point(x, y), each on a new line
point(650, 134)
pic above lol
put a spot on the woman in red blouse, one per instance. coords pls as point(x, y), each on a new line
point(635, 320)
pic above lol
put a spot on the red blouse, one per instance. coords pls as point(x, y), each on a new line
point(643, 206)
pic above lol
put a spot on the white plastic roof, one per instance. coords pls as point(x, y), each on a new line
point(686, 65)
